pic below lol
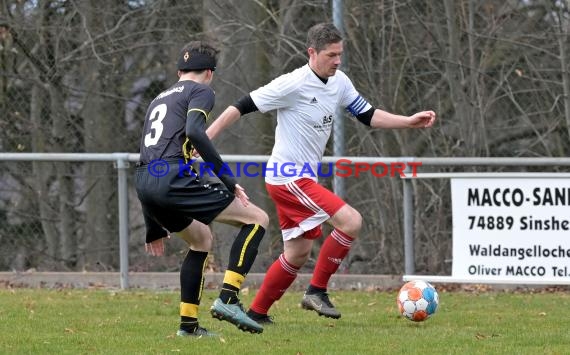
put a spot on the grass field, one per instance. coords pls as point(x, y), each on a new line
point(70, 321)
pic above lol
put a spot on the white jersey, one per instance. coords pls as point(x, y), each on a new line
point(306, 108)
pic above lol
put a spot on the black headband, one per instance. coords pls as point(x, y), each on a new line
point(194, 60)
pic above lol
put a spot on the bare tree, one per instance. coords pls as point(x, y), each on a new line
point(77, 76)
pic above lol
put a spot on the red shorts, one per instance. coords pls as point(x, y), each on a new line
point(302, 206)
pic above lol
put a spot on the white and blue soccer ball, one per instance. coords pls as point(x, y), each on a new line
point(417, 300)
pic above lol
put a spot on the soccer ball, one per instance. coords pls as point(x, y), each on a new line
point(417, 300)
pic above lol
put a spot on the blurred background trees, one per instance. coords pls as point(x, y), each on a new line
point(76, 76)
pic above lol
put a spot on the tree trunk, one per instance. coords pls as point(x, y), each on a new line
point(455, 79)
point(102, 120)
point(232, 79)
point(41, 174)
point(563, 33)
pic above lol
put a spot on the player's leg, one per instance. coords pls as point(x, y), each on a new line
point(206, 200)
point(280, 275)
point(196, 234)
point(347, 223)
point(299, 220)
point(199, 238)
point(252, 221)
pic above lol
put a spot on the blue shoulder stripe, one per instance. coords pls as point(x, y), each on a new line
point(356, 106)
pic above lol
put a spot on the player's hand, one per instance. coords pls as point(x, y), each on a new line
point(195, 153)
point(422, 119)
point(241, 195)
point(155, 248)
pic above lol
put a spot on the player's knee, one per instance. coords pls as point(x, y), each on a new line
point(297, 258)
point(357, 222)
point(352, 223)
point(261, 218)
point(202, 245)
point(198, 241)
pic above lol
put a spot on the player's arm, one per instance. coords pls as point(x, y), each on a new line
point(377, 118)
point(384, 119)
point(196, 133)
point(241, 107)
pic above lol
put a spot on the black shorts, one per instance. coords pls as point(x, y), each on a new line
point(175, 199)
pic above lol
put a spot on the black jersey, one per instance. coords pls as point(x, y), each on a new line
point(176, 122)
point(164, 133)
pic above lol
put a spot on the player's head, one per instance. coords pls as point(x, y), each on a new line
point(324, 45)
point(321, 35)
point(197, 56)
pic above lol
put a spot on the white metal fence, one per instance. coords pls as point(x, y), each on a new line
point(122, 161)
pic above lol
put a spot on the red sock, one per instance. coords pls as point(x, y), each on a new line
point(334, 249)
point(277, 280)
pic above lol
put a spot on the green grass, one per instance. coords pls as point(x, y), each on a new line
point(43, 321)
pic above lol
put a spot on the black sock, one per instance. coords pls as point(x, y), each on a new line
point(191, 284)
point(229, 294)
point(253, 314)
point(311, 290)
point(242, 256)
point(188, 324)
point(244, 248)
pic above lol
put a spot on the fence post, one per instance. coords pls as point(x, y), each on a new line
point(408, 205)
point(338, 123)
point(122, 166)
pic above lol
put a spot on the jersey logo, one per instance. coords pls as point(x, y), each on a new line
point(314, 100)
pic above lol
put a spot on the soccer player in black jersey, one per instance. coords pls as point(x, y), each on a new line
point(175, 199)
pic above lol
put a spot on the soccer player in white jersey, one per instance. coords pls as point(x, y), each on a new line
point(306, 100)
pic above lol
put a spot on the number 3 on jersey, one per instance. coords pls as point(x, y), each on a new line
point(156, 116)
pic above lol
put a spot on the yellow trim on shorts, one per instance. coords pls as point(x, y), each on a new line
point(234, 279)
point(188, 310)
point(247, 240)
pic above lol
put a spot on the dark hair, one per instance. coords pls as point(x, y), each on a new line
point(321, 35)
point(197, 56)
